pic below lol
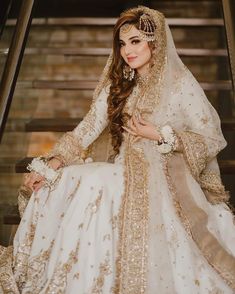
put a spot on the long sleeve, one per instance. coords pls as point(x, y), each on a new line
point(72, 146)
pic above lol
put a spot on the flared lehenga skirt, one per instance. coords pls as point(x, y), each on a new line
point(67, 241)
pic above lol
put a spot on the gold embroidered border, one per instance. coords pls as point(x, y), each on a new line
point(213, 187)
point(131, 264)
point(195, 151)
point(221, 260)
point(68, 149)
point(7, 281)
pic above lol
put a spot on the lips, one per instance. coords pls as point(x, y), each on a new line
point(131, 58)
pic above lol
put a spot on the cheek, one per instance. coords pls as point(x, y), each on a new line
point(122, 52)
point(144, 50)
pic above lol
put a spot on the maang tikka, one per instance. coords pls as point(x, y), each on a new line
point(128, 72)
point(147, 28)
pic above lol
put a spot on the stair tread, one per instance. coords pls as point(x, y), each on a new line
point(110, 21)
point(226, 166)
point(106, 51)
point(91, 84)
point(67, 124)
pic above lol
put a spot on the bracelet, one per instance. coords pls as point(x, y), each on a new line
point(40, 167)
point(167, 142)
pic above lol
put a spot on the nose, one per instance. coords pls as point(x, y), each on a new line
point(127, 49)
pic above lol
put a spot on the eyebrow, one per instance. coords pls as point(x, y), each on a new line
point(130, 38)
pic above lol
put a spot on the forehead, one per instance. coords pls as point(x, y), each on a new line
point(128, 31)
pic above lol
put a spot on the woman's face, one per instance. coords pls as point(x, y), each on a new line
point(134, 50)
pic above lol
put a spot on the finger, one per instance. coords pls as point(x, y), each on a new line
point(130, 131)
point(136, 139)
point(142, 121)
point(38, 186)
point(135, 122)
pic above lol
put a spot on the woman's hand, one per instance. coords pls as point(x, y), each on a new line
point(139, 127)
point(35, 181)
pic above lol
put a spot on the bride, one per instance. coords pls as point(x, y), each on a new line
point(131, 200)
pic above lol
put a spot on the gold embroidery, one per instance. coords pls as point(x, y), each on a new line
point(131, 264)
point(195, 152)
point(104, 270)
point(58, 281)
point(36, 271)
point(23, 198)
point(21, 259)
point(107, 236)
point(7, 281)
point(94, 206)
point(214, 189)
point(69, 149)
point(114, 221)
point(217, 256)
point(72, 194)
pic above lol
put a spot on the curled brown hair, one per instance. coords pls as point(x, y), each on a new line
point(120, 88)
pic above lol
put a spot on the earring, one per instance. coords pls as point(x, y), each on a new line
point(128, 73)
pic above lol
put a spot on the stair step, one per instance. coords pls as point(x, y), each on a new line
point(110, 21)
point(106, 51)
point(52, 125)
point(11, 217)
point(91, 84)
point(68, 124)
point(226, 166)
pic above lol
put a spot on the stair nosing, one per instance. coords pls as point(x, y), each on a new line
point(110, 21)
point(101, 51)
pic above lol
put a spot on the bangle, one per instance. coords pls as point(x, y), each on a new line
point(40, 167)
point(167, 143)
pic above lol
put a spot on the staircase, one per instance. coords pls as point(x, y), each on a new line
point(62, 62)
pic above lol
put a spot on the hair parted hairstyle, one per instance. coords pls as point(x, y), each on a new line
point(120, 88)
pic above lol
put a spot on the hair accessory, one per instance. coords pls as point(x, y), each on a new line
point(147, 28)
point(128, 73)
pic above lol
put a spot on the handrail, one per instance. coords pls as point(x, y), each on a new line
point(14, 60)
point(229, 18)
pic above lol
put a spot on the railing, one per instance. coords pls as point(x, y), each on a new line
point(229, 18)
point(14, 59)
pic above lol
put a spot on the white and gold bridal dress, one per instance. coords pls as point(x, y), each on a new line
point(85, 237)
point(146, 223)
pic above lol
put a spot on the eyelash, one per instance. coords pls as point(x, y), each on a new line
point(134, 42)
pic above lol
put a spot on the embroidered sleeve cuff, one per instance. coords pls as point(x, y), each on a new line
point(68, 150)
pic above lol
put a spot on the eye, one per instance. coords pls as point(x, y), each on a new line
point(121, 44)
point(135, 41)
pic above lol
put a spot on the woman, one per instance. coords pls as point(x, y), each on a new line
point(149, 216)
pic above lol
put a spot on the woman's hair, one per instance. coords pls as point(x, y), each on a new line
point(120, 88)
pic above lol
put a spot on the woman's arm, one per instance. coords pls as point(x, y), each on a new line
point(72, 145)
